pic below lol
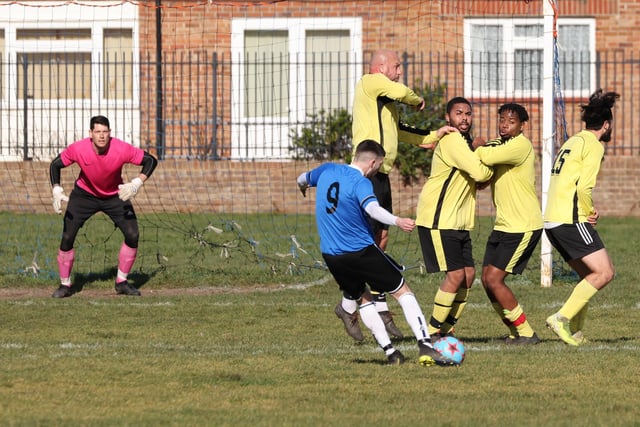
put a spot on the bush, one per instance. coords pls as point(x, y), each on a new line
point(326, 136)
point(412, 161)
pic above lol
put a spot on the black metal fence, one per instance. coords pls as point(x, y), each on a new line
point(191, 106)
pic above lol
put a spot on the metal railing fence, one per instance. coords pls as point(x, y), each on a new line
point(202, 115)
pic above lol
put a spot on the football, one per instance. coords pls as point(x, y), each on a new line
point(451, 348)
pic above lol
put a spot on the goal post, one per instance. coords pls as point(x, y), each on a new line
point(548, 133)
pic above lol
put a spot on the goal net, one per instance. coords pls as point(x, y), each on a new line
point(236, 98)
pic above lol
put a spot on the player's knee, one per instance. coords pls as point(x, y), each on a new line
point(131, 239)
point(608, 275)
point(66, 243)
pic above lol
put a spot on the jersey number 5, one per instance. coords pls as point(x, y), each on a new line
point(559, 162)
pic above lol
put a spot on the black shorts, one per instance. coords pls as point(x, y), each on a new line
point(83, 205)
point(445, 250)
point(574, 241)
point(510, 252)
point(382, 190)
point(354, 270)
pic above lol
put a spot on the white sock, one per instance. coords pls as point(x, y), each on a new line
point(382, 306)
point(349, 305)
point(372, 320)
point(414, 316)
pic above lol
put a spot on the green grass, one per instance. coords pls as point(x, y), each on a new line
point(276, 355)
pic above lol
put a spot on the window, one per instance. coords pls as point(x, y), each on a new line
point(283, 71)
point(61, 63)
point(54, 75)
point(505, 57)
point(327, 70)
point(62, 60)
point(266, 73)
point(117, 63)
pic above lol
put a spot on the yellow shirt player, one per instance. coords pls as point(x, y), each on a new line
point(573, 177)
point(375, 117)
point(518, 223)
point(446, 211)
point(570, 216)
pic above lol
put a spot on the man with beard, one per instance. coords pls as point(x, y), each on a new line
point(446, 214)
point(570, 216)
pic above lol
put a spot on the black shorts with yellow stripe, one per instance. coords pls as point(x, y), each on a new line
point(510, 252)
point(445, 250)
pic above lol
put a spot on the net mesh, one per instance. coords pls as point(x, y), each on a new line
point(219, 91)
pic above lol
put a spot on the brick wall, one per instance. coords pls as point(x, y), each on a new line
point(249, 187)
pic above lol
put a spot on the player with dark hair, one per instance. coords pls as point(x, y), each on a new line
point(446, 214)
point(518, 224)
point(375, 117)
point(344, 201)
point(99, 187)
point(570, 217)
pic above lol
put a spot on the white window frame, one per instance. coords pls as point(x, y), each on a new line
point(297, 28)
point(70, 16)
point(43, 127)
point(511, 44)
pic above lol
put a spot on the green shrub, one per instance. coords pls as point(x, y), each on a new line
point(412, 161)
point(326, 136)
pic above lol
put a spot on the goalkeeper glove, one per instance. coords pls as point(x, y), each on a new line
point(58, 198)
point(130, 189)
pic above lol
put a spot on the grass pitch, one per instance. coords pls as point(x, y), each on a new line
point(272, 354)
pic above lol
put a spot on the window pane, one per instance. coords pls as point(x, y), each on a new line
point(327, 70)
point(54, 75)
point(574, 55)
point(118, 63)
point(528, 70)
point(53, 34)
point(266, 77)
point(487, 66)
point(531, 31)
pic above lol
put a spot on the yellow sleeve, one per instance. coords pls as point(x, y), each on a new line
point(376, 85)
point(417, 137)
point(513, 152)
point(465, 160)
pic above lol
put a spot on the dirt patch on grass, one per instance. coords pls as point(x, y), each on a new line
point(30, 292)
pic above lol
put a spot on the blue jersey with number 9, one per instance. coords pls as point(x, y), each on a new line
point(342, 194)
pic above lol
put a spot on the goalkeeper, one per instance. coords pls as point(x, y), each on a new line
point(99, 188)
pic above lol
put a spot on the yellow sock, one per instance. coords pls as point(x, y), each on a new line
point(580, 297)
point(459, 302)
point(498, 309)
point(441, 308)
point(519, 320)
point(577, 322)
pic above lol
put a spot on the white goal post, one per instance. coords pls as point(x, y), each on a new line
point(548, 135)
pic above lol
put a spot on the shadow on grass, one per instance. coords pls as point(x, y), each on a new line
point(80, 280)
point(380, 361)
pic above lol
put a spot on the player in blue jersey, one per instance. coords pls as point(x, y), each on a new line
point(344, 203)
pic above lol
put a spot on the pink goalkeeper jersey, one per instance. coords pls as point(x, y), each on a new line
point(100, 174)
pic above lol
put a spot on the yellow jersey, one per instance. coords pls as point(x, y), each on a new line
point(573, 177)
point(448, 199)
point(375, 116)
point(513, 184)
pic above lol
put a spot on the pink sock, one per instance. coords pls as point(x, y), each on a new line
point(126, 258)
point(65, 264)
